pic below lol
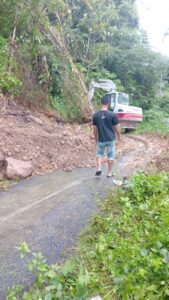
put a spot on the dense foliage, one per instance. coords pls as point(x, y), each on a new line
point(8, 82)
point(124, 255)
point(155, 121)
point(56, 47)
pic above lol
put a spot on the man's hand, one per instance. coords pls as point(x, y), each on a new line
point(117, 129)
point(95, 133)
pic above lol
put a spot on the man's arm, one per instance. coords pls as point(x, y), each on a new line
point(117, 129)
point(95, 133)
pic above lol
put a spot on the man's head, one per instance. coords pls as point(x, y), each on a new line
point(105, 101)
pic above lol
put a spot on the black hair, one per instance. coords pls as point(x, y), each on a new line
point(106, 99)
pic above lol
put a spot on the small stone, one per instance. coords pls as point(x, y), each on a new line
point(25, 158)
point(68, 169)
point(17, 150)
point(77, 142)
point(55, 166)
point(64, 133)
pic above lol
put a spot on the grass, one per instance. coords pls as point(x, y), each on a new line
point(123, 255)
point(3, 185)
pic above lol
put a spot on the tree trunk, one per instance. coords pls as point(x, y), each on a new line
point(12, 49)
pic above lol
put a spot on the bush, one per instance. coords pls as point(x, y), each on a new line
point(8, 82)
point(165, 103)
point(155, 120)
point(59, 106)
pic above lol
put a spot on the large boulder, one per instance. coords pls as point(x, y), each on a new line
point(18, 168)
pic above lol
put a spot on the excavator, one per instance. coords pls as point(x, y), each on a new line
point(129, 116)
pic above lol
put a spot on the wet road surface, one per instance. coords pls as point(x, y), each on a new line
point(47, 213)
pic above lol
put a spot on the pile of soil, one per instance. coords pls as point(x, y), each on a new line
point(52, 145)
point(152, 152)
point(49, 144)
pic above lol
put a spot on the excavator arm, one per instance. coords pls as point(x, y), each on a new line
point(106, 85)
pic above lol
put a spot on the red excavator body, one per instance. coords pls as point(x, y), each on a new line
point(129, 116)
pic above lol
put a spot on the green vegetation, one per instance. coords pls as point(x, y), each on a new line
point(155, 121)
point(50, 51)
point(8, 82)
point(123, 255)
point(3, 185)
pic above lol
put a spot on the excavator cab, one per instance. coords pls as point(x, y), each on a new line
point(118, 101)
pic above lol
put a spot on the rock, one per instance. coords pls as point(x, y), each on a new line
point(64, 133)
point(18, 168)
point(17, 150)
point(35, 119)
point(77, 142)
point(68, 169)
point(25, 158)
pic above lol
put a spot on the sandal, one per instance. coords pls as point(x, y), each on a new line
point(113, 175)
point(98, 173)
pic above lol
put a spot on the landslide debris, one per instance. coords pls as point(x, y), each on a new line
point(50, 144)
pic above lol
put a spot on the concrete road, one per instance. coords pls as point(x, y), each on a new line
point(47, 213)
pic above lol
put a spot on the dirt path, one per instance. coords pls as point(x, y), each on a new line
point(49, 211)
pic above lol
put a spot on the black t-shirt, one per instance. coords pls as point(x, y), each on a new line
point(104, 120)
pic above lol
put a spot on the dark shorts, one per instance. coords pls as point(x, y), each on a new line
point(109, 147)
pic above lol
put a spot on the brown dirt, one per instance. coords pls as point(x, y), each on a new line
point(149, 151)
point(53, 145)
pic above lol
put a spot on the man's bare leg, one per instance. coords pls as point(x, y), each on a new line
point(99, 163)
point(110, 168)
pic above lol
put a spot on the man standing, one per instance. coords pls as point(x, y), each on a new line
point(105, 128)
